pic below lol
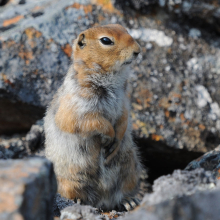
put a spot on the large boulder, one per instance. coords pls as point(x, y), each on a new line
point(27, 189)
point(174, 83)
point(209, 161)
point(181, 196)
point(200, 12)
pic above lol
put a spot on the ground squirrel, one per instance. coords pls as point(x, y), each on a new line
point(87, 125)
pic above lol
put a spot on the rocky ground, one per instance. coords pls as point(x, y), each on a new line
point(174, 91)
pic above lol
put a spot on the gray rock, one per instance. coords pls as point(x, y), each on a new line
point(175, 92)
point(209, 161)
point(13, 147)
point(27, 189)
point(182, 195)
point(200, 11)
point(61, 203)
point(76, 212)
point(174, 84)
point(34, 56)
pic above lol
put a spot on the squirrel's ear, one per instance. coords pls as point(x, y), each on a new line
point(81, 41)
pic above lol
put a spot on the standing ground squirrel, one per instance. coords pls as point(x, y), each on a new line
point(87, 125)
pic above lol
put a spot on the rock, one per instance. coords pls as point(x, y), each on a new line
point(13, 147)
point(209, 161)
point(76, 212)
point(19, 146)
point(175, 92)
point(27, 189)
point(34, 56)
point(174, 82)
point(182, 195)
point(61, 203)
point(202, 12)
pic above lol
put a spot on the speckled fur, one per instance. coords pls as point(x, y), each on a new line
point(94, 92)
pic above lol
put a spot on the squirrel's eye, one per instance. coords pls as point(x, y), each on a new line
point(106, 41)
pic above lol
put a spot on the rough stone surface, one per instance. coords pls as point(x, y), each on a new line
point(27, 189)
point(174, 83)
point(68, 209)
point(209, 161)
point(80, 212)
point(175, 96)
point(182, 195)
point(22, 145)
point(201, 12)
point(178, 184)
point(13, 147)
point(61, 203)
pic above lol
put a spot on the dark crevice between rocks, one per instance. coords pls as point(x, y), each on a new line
point(22, 2)
point(2, 29)
point(161, 159)
point(17, 117)
point(37, 14)
point(3, 2)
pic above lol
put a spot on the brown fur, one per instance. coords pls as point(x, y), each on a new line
point(87, 125)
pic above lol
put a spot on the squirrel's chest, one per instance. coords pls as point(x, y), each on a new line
point(111, 104)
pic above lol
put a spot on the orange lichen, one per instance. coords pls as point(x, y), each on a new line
point(8, 44)
point(106, 5)
point(145, 97)
point(156, 137)
point(37, 8)
point(182, 117)
point(101, 18)
point(67, 49)
point(27, 55)
point(7, 203)
point(164, 103)
point(32, 33)
point(202, 127)
point(167, 113)
point(87, 8)
point(6, 80)
point(12, 20)
point(176, 95)
point(110, 215)
point(135, 126)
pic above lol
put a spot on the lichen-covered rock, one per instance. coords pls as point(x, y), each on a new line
point(209, 161)
point(80, 212)
point(174, 83)
point(202, 12)
point(182, 195)
point(19, 146)
point(27, 189)
point(35, 50)
point(12, 147)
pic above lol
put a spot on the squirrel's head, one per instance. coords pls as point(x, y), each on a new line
point(105, 48)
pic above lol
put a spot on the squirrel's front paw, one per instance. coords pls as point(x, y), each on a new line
point(111, 150)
